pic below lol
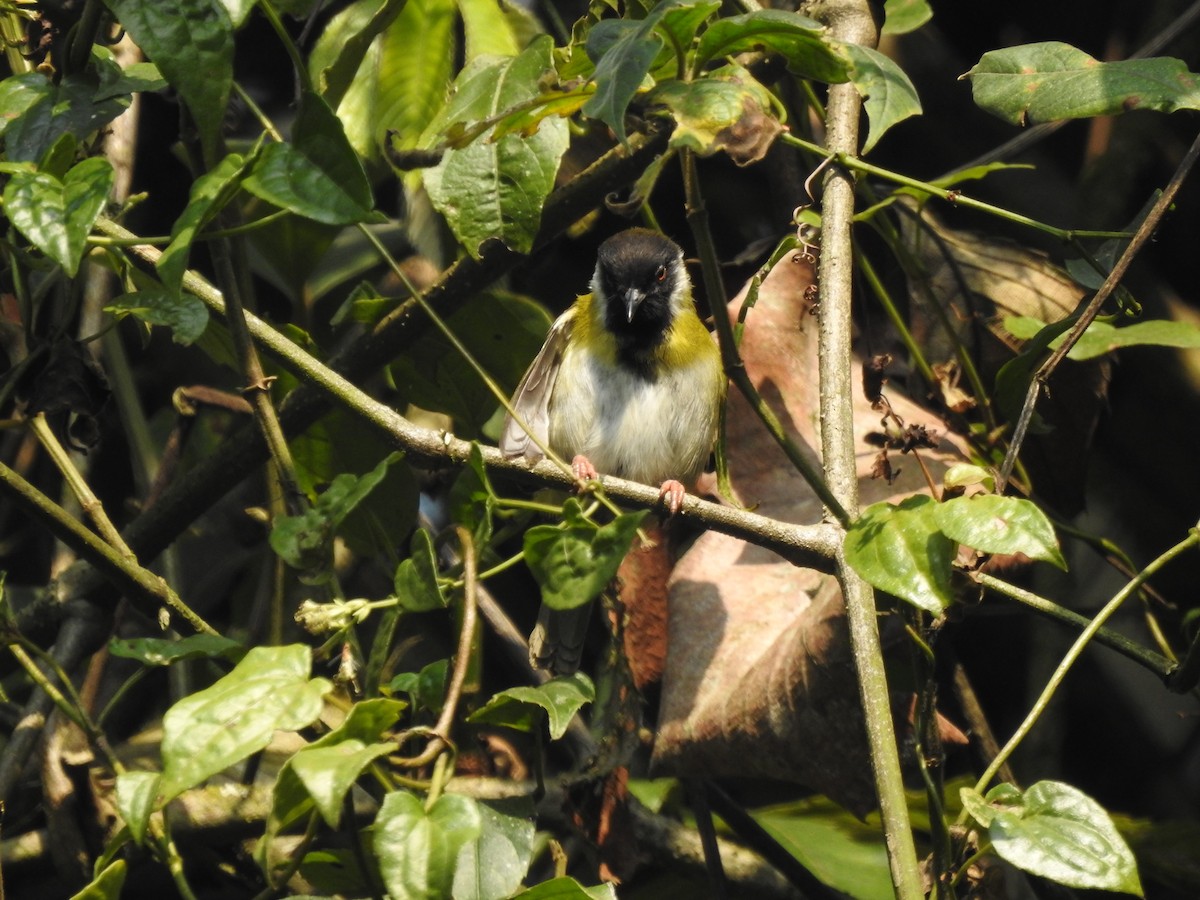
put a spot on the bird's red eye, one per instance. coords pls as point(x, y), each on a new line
point(661, 274)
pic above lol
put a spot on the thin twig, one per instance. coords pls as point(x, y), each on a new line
point(1088, 314)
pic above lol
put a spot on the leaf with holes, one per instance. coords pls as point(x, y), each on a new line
point(495, 189)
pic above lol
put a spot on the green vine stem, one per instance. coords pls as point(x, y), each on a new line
point(735, 369)
point(1093, 627)
point(1159, 665)
point(139, 583)
point(851, 21)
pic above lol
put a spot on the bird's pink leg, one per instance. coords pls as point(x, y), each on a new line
point(583, 468)
point(672, 494)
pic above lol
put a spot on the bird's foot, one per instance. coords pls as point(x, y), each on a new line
point(672, 493)
point(583, 469)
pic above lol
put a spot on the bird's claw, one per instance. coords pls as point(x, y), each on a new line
point(583, 469)
point(672, 494)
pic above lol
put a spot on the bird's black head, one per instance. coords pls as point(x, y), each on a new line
point(641, 281)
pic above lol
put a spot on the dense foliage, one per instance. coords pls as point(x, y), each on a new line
point(269, 270)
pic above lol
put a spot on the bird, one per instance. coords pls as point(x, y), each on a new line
point(628, 383)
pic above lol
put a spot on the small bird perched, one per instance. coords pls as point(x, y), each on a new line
point(629, 383)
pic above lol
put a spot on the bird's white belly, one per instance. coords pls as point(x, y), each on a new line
point(648, 431)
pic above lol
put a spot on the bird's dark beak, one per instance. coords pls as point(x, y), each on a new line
point(633, 299)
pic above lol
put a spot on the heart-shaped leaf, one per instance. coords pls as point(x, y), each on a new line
point(523, 708)
point(57, 216)
point(417, 848)
point(574, 563)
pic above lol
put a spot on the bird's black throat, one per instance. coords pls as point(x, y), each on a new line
point(647, 263)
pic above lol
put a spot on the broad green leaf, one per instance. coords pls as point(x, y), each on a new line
point(296, 788)
point(185, 314)
point(427, 688)
point(416, 62)
point(416, 581)
point(566, 888)
point(337, 77)
point(136, 793)
point(1002, 798)
point(142, 77)
point(191, 42)
point(328, 772)
point(996, 524)
point(1012, 381)
point(305, 541)
point(1103, 337)
point(623, 51)
point(903, 16)
point(502, 331)
point(523, 708)
point(573, 564)
point(318, 175)
point(801, 41)
point(1062, 834)
point(164, 652)
point(1047, 81)
point(417, 849)
point(495, 189)
point(680, 23)
point(900, 549)
point(269, 690)
point(726, 110)
point(106, 885)
point(842, 851)
point(57, 216)
point(494, 864)
point(487, 30)
point(208, 196)
point(890, 96)
point(37, 112)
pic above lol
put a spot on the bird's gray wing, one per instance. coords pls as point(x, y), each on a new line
point(532, 397)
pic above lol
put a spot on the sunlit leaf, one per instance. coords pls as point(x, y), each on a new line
point(136, 793)
point(573, 564)
point(57, 216)
point(900, 549)
point(417, 848)
point(106, 885)
point(1050, 80)
point(996, 524)
point(890, 96)
point(495, 862)
point(208, 731)
point(1103, 337)
point(523, 708)
point(185, 314)
point(165, 651)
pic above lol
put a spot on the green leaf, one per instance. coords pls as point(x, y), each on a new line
point(305, 541)
point(1103, 337)
point(963, 475)
point(142, 77)
point(340, 73)
point(1060, 833)
point(903, 16)
point(623, 52)
point(191, 42)
point(841, 850)
point(725, 110)
point(328, 772)
point(416, 581)
point(573, 564)
point(299, 785)
point(427, 688)
point(164, 651)
point(996, 524)
point(417, 849)
point(106, 885)
point(890, 96)
point(502, 331)
point(37, 113)
point(524, 708)
point(185, 314)
point(494, 864)
point(1047, 81)
point(900, 549)
point(136, 793)
point(566, 888)
point(206, 732)
point(799, 40)
point(318, 175)
point(487, 30)
point(472, 498)
point(495, 189)
point(57, 216)
point(208, 196)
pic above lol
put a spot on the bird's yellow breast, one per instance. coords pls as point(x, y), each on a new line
point(650, 425)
